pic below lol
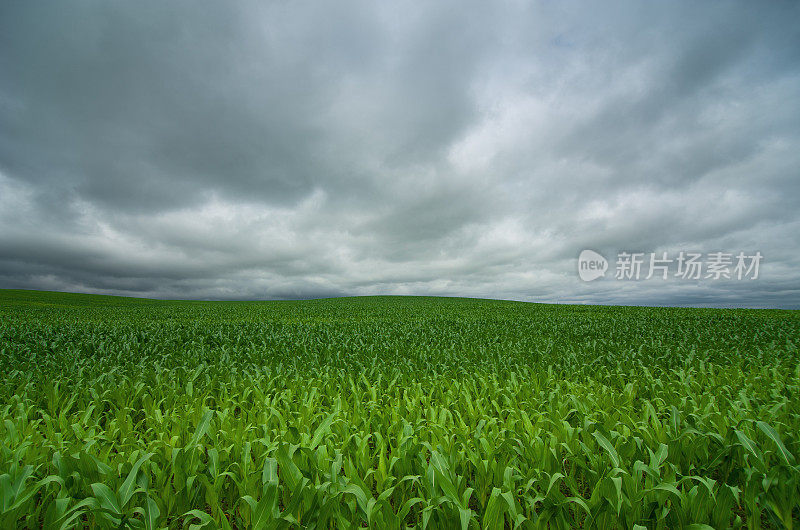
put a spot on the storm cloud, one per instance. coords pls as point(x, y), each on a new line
point(216, 150)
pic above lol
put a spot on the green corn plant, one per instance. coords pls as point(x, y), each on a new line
point(395, 413)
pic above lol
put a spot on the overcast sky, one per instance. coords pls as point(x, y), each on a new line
point(235, 150)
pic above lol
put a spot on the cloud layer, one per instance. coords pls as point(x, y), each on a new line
point(292, 150)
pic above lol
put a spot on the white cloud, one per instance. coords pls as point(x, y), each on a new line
point(293, 151)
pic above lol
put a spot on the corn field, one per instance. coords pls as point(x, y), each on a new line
point(395, 412)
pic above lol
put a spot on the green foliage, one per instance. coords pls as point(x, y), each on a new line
point(395, 412)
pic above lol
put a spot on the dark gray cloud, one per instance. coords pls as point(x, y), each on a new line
point(290, 149)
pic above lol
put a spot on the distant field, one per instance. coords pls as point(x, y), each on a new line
point(395, 412)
